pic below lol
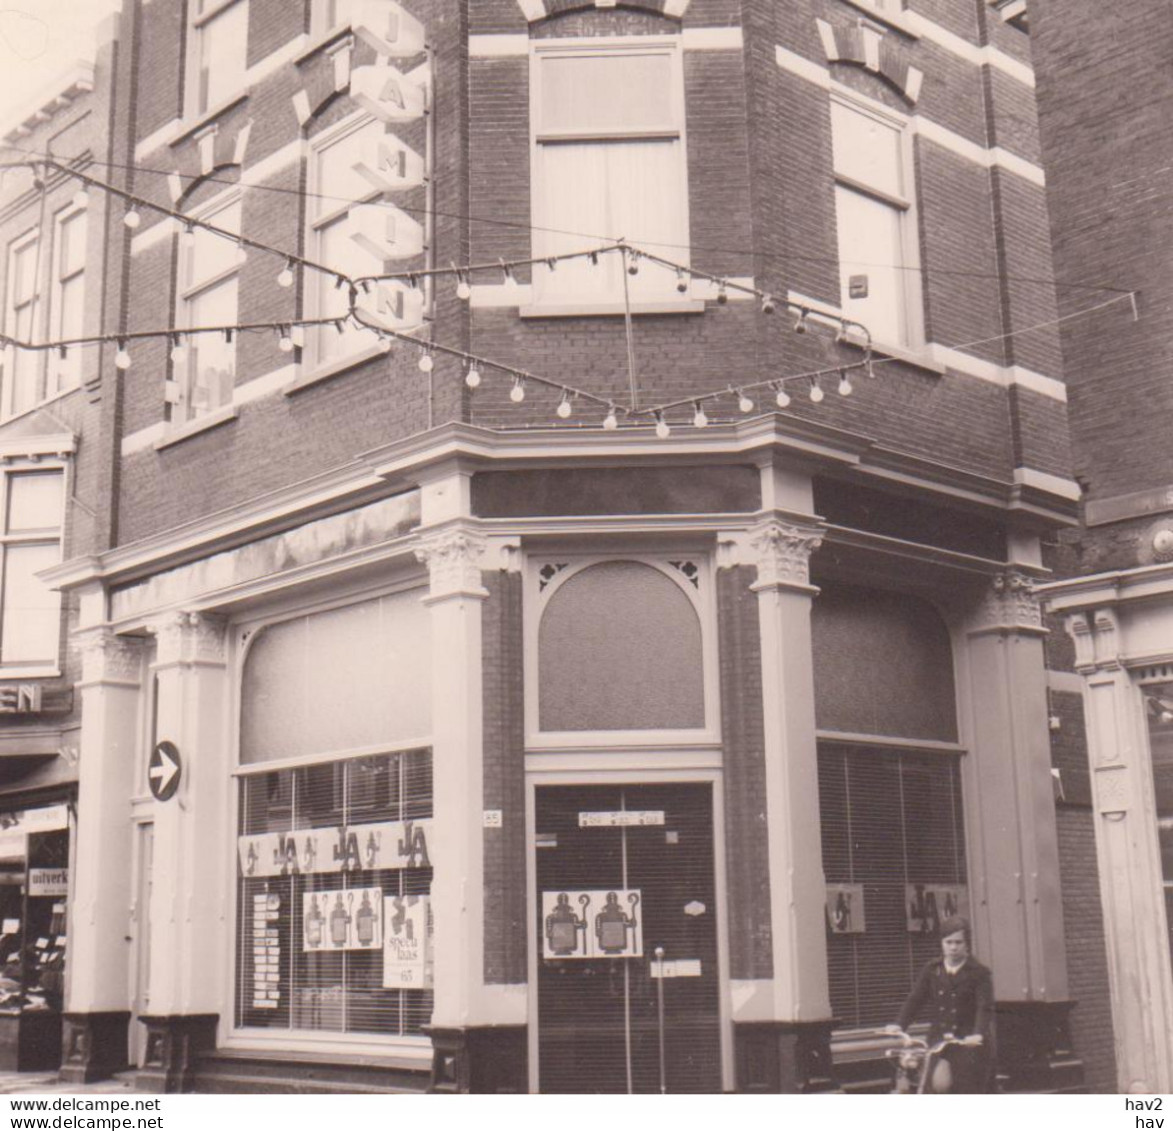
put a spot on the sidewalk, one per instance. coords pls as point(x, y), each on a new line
point(46, 1083)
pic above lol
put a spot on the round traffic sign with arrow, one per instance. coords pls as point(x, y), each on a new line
point(164, 770)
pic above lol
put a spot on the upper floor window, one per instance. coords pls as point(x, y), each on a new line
point(66, 303)
point(209, 272)
point(609, 163)
point(336, 187)
point(874, 215)
point(34, 270)
point(30, 541)
point(219, 52)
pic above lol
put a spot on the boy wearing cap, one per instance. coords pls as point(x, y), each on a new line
point(957, 991)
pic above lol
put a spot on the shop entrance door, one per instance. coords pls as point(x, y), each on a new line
point(622, 873)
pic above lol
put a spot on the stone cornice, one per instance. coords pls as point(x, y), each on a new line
point(402, 465)
point(1144, 583)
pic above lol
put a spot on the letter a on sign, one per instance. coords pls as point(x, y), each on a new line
point(164, 771)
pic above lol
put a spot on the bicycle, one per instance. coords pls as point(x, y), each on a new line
point(916, 1060)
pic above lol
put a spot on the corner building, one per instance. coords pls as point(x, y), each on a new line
point(494, 728)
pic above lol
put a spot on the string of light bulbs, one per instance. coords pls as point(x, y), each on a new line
point(476, 365)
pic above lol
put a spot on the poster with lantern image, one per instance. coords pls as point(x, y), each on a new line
point(405, 943)
point(350, 919)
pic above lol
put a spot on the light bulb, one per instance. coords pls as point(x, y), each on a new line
point(844, 385)
point(241, 253)
point(517, 393)
point(744, 403)
point(610, 421)
point(285, 342)
point(662, 429)
point(563, 409)
point(285, 276)
point(178, 350)
point(768, 305)
point(783, 398)
point(463, 290)
point(633, 266)
point(81, 198)
point(699, 419)
point(473, 377)
point(681, 282)
point(122, 358)
point(132, 219)
point(426, 363)
point(188, 238)
point(817, 393)
point(800, 325)
point(722, 295)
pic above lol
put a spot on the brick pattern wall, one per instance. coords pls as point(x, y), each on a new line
point(1107, 133)
point(1087, 968)
point(746, 852)
point(504, 782)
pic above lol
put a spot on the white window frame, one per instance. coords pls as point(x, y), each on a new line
point(50, 666)
point(198, 20)
point(910, 292)
point(28, 241)
point(702, 598)
point(313, 359)
point(242, 634)
point(58, 283)
point(673, 48)
point(181, 374)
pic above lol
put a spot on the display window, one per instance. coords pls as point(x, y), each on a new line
point(334, 918)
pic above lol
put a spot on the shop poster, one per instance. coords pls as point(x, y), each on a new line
point(266, 950)
point(927, 906)
point(592, 924)
point(342, 920)
point(347, 848)
point(845, 909)
point(405, 943)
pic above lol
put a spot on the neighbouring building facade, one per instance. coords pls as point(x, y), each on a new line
point(439, 723)
point(1107, 143)
point(53, 492)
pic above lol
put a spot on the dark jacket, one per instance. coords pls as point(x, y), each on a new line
point(961, 1003)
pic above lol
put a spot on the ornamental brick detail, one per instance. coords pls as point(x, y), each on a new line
point(782, 553)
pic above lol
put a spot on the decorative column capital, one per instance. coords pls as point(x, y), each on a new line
point(190, 638)
point(107, 657)
point(1010, 604)
point(782, 551)
point(454, 557)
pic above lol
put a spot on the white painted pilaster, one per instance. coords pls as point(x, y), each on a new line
point(110, 689)
point(781, 548)
point(1016, 900)
point(1127, 855)
point(453, 553)
point(189, 896)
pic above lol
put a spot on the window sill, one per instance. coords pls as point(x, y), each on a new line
point(334, 369)
point(191, 126)
point(609, 309)
point(321, 41)
point(894, 20)
point(918, 358)
point(195, 427)
point(29, 671)
point(40, 404)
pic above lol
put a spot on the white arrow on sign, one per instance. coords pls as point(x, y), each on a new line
point(164, 773)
